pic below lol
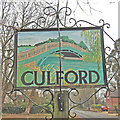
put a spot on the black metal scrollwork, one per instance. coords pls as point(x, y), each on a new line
point(8, 61)
point(109, 86)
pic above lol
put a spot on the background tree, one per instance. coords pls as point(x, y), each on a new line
point(113, 69)
point(112, 63)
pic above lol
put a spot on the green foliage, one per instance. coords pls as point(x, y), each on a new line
point(13, 109)
point(49, 108)
point(10, 108)
point(112, 63)
point(115, 107)
point(92, 38)
point(82, 45)
point(36, 109)
point(21, 104)
point(97, 106)
point(48, 41)
point(64, 39)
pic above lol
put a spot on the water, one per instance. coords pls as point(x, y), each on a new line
point(47, 62)
point(73, 65)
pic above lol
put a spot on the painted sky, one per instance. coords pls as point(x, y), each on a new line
point(31, 38)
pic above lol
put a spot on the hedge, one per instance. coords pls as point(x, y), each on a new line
point(97, 106)
point(13, 109)
point(18, 109)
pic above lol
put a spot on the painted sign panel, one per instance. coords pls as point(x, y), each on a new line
point(37, 57)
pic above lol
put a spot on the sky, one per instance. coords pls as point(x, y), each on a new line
point(108, 12)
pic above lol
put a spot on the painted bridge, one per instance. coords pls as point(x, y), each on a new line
point(50, 48)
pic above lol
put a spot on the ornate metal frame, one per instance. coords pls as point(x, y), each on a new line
point(60, 18)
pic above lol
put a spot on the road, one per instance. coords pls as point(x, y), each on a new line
point(88, 115)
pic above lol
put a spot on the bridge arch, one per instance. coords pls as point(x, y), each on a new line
point(42, 52)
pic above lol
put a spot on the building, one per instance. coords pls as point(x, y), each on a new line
point(112, 101)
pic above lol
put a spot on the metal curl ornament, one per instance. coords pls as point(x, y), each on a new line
point(10, 63)
point(116, 69)
point(68, 11)
point(12, 88)
point(63, 18)
point(113, 89)
point(75, 94)
point(47, 11)
point(104, 24)
point(34, 103)
point(84, 21)
point(108, 60)
point(74, 21)
point(9, 51)
point(9, 40)
point(10, 66)
point(109, 49)
point(77, 104)
point(51, 97)
point(69, 113)
point(10, 96)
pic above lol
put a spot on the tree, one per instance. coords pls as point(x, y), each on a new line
point(92, 38)
point(113, 62)
point(113, 68)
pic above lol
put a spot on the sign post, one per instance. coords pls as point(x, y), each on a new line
point(61, 105)
point(82, 58)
